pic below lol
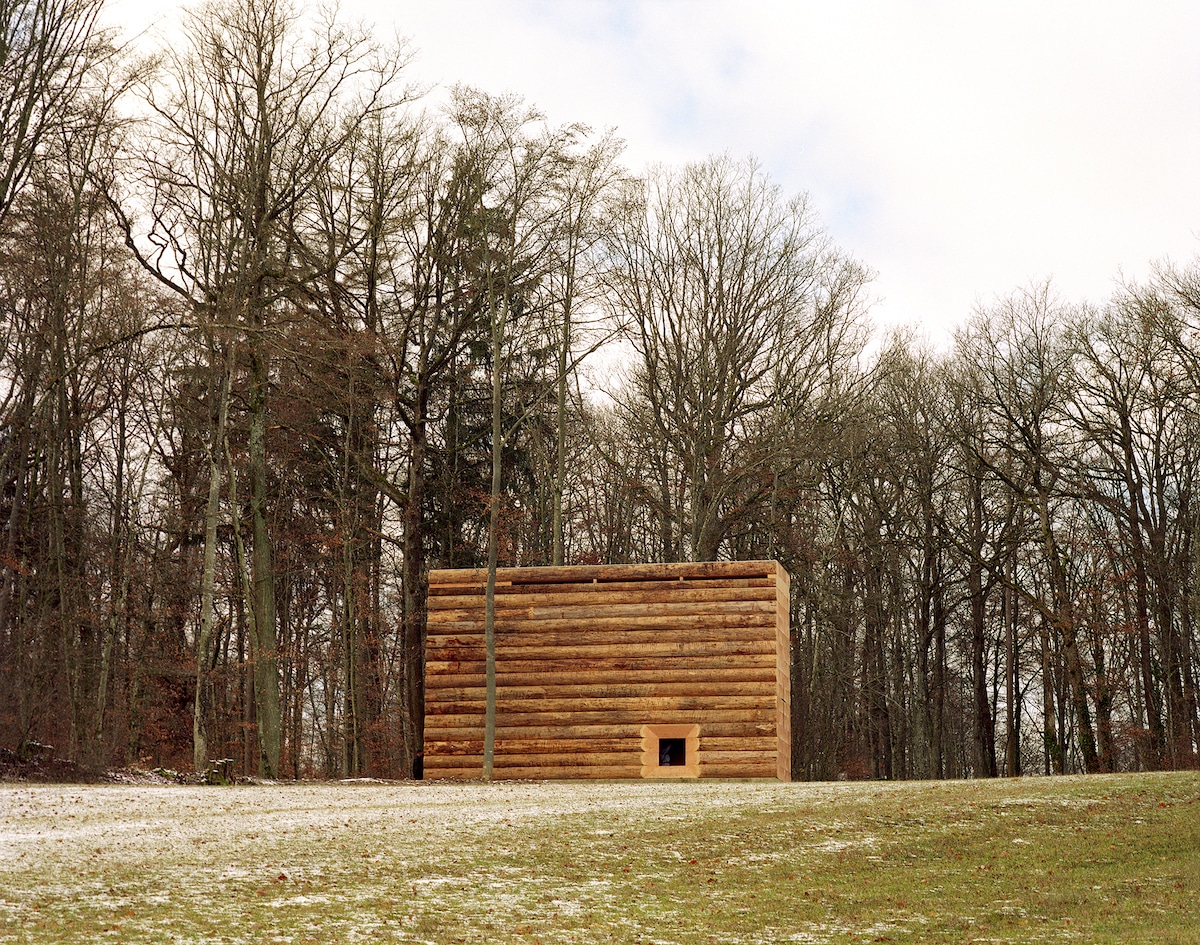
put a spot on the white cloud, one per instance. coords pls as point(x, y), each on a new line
point(960, 149)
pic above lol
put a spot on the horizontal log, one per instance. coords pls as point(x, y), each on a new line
point(440, 762)
point(703, 648)
point(714, 678)
point(763, 769)
point(598, 759)
point(754, 743)
point(549, 712)
point(674, 592)
point(760, 662)
point(537, 760)
point(612, 634)
point(664, 672)
point(598, 609)
point(763, 622)
point(439, 632)
point(551, 721)
point(607, 572)
point(721, 756)
point(599, 687)
point(446, 747)
point(436, 682)
point(472, 769)
point(624, 629)
point(677, 655)
point(534, 746)
point(633, 628)
point(678, 702)
point(581, 773)
point(602, 728)
point(507, 718)
point(647, 705)
point(660, 664)
point(586, 587)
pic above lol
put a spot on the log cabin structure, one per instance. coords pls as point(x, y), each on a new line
point(612, 671)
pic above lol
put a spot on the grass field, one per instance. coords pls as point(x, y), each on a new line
point(1098, 859)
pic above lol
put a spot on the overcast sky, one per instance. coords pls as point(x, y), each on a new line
point(959, 149)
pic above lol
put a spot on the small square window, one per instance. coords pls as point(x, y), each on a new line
point(672, 752)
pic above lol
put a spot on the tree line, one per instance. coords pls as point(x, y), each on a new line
point(280, 335)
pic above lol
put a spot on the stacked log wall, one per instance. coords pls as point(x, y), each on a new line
point(587, 657)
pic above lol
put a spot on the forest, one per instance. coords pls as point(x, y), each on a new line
point(282, 331)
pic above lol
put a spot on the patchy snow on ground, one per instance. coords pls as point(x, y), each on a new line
point(668, 862)
point(366, 861)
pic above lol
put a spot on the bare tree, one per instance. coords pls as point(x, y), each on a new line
point(585, 188)
point(47, 49)
point(511, 164)
point(739, 312)
point(1027, 368)
point(246, 120)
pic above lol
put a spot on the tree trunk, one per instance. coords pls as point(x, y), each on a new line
point(560, 469)
point(415, 582)
point(208, 575)
point(489, 624)
point(939, 679)
point(1055, 763)
point(1012, 721)
point(1064, 624)
point(984, 725)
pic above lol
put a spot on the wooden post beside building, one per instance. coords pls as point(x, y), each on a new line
point(613, 671)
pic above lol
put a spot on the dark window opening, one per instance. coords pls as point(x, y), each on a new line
point(672, 752)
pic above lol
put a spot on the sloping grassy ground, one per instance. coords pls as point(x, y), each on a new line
point(1099, 859)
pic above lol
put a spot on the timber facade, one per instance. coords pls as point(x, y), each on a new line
point(612, 671)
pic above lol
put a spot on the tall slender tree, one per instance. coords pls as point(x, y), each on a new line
point(244, 127)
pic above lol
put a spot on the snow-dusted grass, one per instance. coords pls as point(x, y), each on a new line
point(1100, 859)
